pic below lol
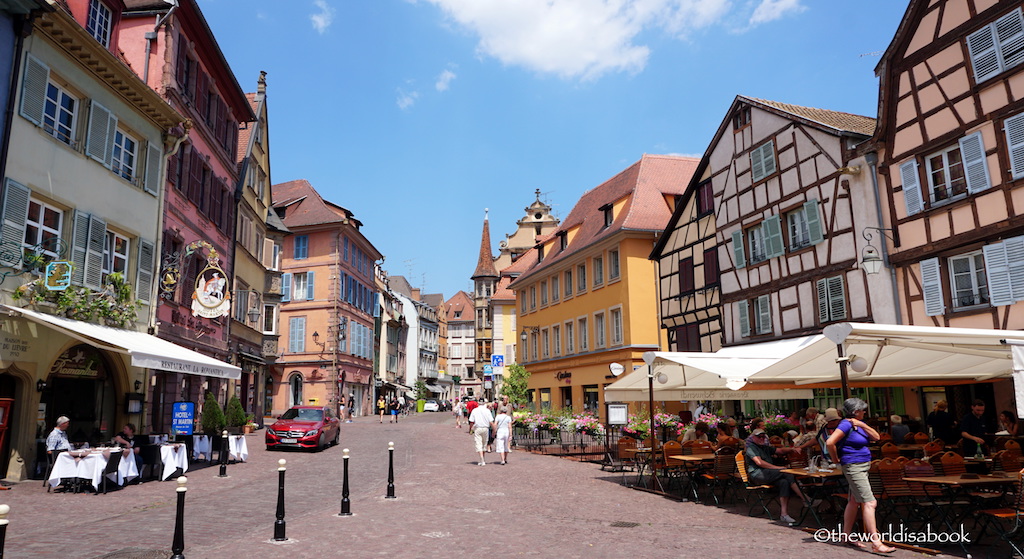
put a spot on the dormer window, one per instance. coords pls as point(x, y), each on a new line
point(99, 22)
point(562, 240)
point(742, 118)
point(608, 217)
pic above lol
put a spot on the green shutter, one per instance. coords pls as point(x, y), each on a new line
point(742, 308)
point(144, 271)
point(94, 253)
point(773, 236)
point(813, 222)
point(153, 176)
point(737, 249)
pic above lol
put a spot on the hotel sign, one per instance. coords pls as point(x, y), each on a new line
point(211, 299)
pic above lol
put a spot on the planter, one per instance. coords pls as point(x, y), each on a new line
point(247, 429)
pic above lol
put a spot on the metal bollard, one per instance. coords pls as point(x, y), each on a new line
point(391, 471)
point(178, 545)
point(279, 524)
point(346, 505)
point(4, 511)
point(223, 455)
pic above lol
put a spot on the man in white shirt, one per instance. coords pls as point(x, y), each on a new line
point(480, 424)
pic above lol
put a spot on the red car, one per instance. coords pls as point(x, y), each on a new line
point(310, 427)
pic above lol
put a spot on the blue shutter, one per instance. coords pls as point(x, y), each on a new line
point(153, 176)
point(773, 236)
point(982, 47)
point(99, 139)
point(94, 253)
point(911, 187)
point(1014, 128)
point(1015, 265)
point(286, 288)
point(931, 286)
point(33, 89)
point(79, 246)
point(972, 149)
point(13, 215)
point(309, 286)
point(737, 249)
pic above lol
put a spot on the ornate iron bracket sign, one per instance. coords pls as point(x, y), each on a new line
point(17, 259)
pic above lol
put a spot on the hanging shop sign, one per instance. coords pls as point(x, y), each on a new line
point(211, 299)
point(58, 275)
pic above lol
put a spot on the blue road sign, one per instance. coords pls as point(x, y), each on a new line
point(488, 369)
point(497, 360)
point(183, 418)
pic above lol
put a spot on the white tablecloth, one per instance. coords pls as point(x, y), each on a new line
point(157, 439)
point(173, 456)
point(201, 446)
point(237, 449)
point(91, 466)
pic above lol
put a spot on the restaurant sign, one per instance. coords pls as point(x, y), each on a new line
point(183, 418)
point(211, 299)
point(81, 361)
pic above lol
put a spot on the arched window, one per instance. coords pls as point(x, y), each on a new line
point(295, 384)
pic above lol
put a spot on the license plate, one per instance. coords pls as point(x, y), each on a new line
point(289, 441)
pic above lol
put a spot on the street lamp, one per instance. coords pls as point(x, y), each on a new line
point(662, 379)
point(871, 260)
point(254, 312)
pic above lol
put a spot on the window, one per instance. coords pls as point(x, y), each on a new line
point(455, 351)
point(764, 240)
point(759, 311)
point(757, 243)
point(270, 319)
point(951, 172)
point(556, 333)
point(546, 342)
point(570, 338)
point(741, 118)
point(297, 334)
point(301, 247)
point(711, 273)
point(522, 302)
point(581, 278)
point(598, 271)
point(295, 388)
point(563, 240)
point(705, 199)
point(803, 226)
point(608, 215)
point(59, 113)
point(616, 320)
point(115, 255)
point(686, 283)
point(554, 289)
point(762, 161)
point(43, 228)
point(613, 265)
point(946, 174)
point(543, 293)
point(998, 46)
point(125, 150)
point(345, 251)
point(967, 279)
point(533, 297)
point(590, 398)
point(297, 287)
point(599, 336)
point(831, 299)
point(98, 22)
point(568, 283)
point(583, 334)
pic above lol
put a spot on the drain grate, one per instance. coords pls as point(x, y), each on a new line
point(621, 524)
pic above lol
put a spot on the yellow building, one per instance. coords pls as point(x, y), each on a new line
point(587, 296)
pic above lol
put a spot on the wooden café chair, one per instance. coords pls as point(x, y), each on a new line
point(1012, 446)
point(1004, 461)
point(765, 493)
point(909, 438)
point(721, 475)
point(920, 438)
point(1008, 521)
point(890, 450)
point(884, 437)
point(702, 447)
point(933, 448)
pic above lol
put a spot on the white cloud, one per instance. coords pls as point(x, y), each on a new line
point(406, 99)
point(577, 38)
point(323, 19)
point(771, 10)
point(444, 80)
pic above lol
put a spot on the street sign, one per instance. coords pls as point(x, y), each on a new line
point(488, 369)
point(497, 360)
point(183, 418)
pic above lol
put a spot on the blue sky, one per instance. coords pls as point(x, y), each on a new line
point(418, 114)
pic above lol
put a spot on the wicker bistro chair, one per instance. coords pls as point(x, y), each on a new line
point(721, 476)
point(765, 493)
point(1008, 521)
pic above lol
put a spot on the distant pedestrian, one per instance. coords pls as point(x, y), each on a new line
point(381, 406)
point(401, 406)
point(493, 407)
point(470, 406)
point(341, 409)
point(396, 408)
point(351, 406)
point(458, 410)
point(480, 423)
point(505, 406)
point(502, 434)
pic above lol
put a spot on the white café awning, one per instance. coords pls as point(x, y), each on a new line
point(146, 350)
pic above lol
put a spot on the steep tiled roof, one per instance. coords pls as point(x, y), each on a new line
point(460, 308)
point(309, 209)
point(433, 299)
point(845, 122)
point(244, 133)
point(485, 263)
point(646, 183)
point(502, 292)
point(400, 285)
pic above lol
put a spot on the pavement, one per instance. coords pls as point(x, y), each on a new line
point(445, 505)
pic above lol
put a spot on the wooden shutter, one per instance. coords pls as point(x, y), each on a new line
point(773, 236)
point(99, 140)
point(911, 187)
point(997, 270)
point(202, 89)
point(154, 156)
point(144, 271)
point(1010, 35)
point(181, 64)
point(79, 247)
point(836, 298)
point(686, 275)
point(1015, 266)
point(286, 287)
point(711, 266)
point(756, 165)
point(743, 309)
point(94, 253)
point(195, 176)
point(1014, 128)
point(931, 285)
point(814, 228)
point(768, 158)
point(309, 286)
point(737, 249)
point(822, 288)
point(13, 215)
point(33, 89)
point(972, 149)
point(764, 314)
point(982, 47)
point(268, 253)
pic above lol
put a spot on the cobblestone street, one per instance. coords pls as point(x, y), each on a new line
point(536, 506)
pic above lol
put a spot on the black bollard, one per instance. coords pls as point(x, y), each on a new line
point(346, 505)
point(279, 524)
point(223, 455)
point(4, 511)
point(178, 545)
point(391, 471)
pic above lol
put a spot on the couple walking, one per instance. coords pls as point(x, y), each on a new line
point(482, 423)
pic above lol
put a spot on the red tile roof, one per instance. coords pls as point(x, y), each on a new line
point(843, 122)
point(244, 133)
point(460, 302)
point(502, 292)
point(303, 205)
point(645, 183)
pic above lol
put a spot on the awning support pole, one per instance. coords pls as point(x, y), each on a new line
point(844, 377)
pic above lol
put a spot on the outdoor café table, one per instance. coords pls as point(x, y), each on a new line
point(237, 449)
point(978, 465)
point(642, 457)
point(201, 445)
point(173, 456)
point(89, 465)
point(814, 487)
point(693, 465)
point(957, 487)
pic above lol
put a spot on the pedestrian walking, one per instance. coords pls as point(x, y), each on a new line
point(502, 434)
point(381, 406)
point(458, 410)
point(493, 407)
point(480, 423)
point(351, 406)
point(396, 408)
point(401, 406)
point(470, 406)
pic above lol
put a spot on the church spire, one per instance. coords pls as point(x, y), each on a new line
point(485, 265)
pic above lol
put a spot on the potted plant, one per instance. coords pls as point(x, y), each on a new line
point(250, 424)
point(213, 417)
point(235, 416)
